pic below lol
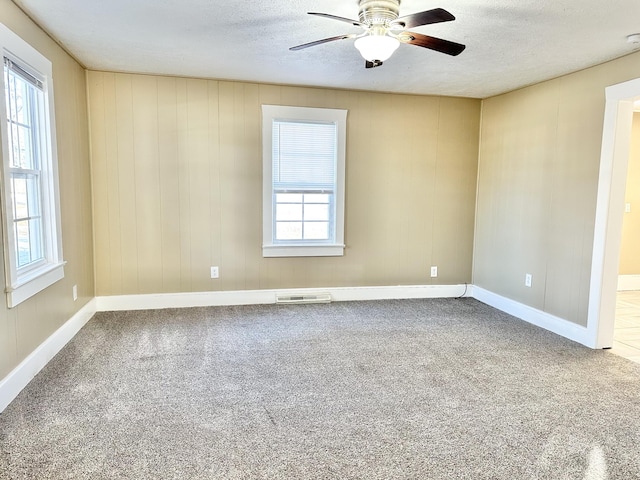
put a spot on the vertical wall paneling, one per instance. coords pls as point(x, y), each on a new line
point(539, 163)
point(128, 226)
point(229, 189)
point(169, 181)
point(8, 342)
point(252, 162)
point(215, 197)
point(144, 93)
point(455, 189)
point(193, 198)
point(184, 186)
point(112, 179)
point(199, 161)
point(100, 183)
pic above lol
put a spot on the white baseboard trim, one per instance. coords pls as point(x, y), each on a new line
point(554, 324)
point(19, 377)
point(628, 282)
point(255, 297)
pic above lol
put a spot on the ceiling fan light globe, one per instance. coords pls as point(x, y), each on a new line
point(376, 47)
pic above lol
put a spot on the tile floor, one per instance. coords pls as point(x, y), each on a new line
point(626, 334)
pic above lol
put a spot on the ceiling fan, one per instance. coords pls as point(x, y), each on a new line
point(384, 30)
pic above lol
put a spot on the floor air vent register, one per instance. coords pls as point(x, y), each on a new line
point(320, 297)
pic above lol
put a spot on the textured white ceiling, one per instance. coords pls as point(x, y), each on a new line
point(509, 44)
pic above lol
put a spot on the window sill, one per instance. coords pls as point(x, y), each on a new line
point(34, 283)
point(318, 250)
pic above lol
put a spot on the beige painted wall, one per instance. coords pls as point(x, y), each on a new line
point(177, 167)
point(25, 327)
point(537, 188)
point(630, 246)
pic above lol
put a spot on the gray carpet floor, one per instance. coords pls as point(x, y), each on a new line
point(420, 389)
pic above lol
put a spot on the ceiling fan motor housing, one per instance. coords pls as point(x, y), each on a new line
point(384, 31)
point(378, 12)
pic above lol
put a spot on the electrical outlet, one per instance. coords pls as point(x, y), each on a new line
point(627, 207)
point(75, 292)
point(214, 272)
point(527, 280)
point(434, 271)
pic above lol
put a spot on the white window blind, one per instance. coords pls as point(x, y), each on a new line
point(32, 79)
point(304, 156)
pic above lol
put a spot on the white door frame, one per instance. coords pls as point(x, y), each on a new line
point(614, 158)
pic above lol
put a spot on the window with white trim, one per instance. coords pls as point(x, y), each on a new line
point(32, 237)
point(303, 181)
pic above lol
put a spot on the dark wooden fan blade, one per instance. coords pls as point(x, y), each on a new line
point(341, 19)
point(436, 15)
point(375, 63)
point(324, 40)
point(433, 43)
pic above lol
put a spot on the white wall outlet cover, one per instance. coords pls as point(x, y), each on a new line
point(434, 271)
point(527, 280)
point(214, 272)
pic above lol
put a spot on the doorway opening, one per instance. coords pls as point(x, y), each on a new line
point(614, 157)
point(626, 336)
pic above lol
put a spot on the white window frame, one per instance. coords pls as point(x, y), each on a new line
point(305, 248)
point(23, 283)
